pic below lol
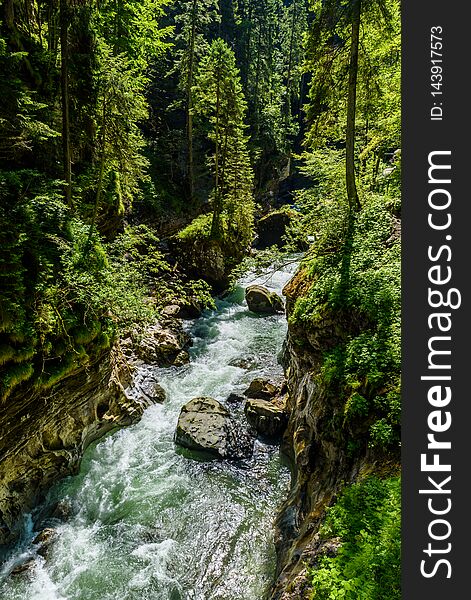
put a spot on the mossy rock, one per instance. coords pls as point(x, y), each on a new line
point(261, 301)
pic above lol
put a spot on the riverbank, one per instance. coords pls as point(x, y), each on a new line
point(145, 516)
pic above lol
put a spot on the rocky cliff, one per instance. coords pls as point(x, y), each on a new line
point(318, 442)
point(43, 435)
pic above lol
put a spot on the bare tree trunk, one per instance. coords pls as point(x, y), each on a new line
point(352, 193)
point(66, 159)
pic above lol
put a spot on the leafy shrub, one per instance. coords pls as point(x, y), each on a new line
point(65, 294)
point(198, 229)
point(354, 269)
point(366, 518)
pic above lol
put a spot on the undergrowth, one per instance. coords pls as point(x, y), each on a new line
point(367, 565)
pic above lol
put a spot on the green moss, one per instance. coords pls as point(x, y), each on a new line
point(7, 352)
point(198, 229)
point(24, 354)
point(56, 373)
point(60, 347)
point(13, 376)
point(102, 342)
point(84, 334)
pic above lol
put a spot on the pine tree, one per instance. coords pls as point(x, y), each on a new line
point(220, 104)
point(293, 26)
point(194, 20)
point(121, 106)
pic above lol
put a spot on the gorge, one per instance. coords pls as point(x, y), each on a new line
point(161, 163)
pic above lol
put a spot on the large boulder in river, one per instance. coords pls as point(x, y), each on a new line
point(266, 417)
point(205, 424)
point(164, 344)
point(260, 300)
point(261, 388)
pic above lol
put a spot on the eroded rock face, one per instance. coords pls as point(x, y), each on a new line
point(147, 386)
point(43, 435)
point(265, 408)
point(272, 227)
point(267, 418)
point(261, 301)
point(163, 344)
point(202, 259)
point(205, 424)
point(316, 448)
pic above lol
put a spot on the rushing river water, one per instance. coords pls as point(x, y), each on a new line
point(150, 522)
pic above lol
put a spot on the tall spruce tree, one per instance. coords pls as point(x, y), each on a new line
point(194, 19)
point(220, 107)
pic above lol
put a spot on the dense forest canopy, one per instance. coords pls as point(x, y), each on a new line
point(117, 108)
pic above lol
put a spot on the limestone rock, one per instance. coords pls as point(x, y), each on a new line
point(154, 391)
point(171, 310)
point(248, 363)
point(62, 511)
point(272, 227)
point(267, 418)
point(205, 424)
point(161, 344)
point(262, 389)
point(235, 399)
point(260, 300)
point(191, 309)
point(203, 259)
point(25, 567)
point(182, 358)
point(48, 432)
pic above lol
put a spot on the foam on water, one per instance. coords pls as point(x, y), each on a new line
point(149, 521)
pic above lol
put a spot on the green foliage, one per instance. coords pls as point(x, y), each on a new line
point(198, 229)
point(366, 518)
point(378, 114)
point(220, 107)
point(268, 40)
point(355, 270)
point(133, 29)
point(23, 118)
point(13, 376)
point(59, 307)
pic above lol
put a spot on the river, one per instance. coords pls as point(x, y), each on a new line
point(151, 522)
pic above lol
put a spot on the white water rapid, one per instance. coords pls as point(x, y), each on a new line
point(151, 523)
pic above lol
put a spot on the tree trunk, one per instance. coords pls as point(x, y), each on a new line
point(352, 193)
point(294, 6)
point(191, 62)
point(66, 160)
point(257, 79)
point(99, 191)
point(217, 200)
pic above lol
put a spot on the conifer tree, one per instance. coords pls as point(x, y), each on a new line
point(220, 104)
point(194, 19)
point(339, 55)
